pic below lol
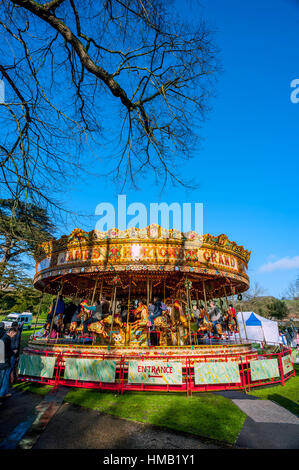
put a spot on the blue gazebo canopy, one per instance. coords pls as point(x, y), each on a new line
point(253, 321)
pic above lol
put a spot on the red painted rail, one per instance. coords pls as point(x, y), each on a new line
point(188, 385)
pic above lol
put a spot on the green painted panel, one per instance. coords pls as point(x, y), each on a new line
point(37, 366)
point(216, 373)
point(264, 369)
point(287, 365)
point(294, 355)
point(93, 370)
point(155, 372)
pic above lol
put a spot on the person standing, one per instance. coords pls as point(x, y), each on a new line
point(196, 315)
point(2, 329)
point(5, 367)
point(15, 346)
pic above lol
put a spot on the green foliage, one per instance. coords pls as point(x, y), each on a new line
point(23, 297)
point(278, 309)
point(22, 228)
point(261, 304)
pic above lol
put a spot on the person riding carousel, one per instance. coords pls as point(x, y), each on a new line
point(231, 322)
point(215, 317)
point(95, 313)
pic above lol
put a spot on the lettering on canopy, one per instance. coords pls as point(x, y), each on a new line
point(157, 254)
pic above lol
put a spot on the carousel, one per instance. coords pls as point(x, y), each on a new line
point(129, 273)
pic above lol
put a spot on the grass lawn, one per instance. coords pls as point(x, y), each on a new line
point(25, 337)
point(286, 396)
point(39, 389)
point(206, 415)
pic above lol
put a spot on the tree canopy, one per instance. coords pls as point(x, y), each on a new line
point(22, 227)
point(123, 79)
point(278, 309)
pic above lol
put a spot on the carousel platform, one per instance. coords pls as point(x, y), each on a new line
point(210, 349)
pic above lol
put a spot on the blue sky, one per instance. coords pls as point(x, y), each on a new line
point(247, 166)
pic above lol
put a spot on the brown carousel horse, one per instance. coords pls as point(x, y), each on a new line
point(162, 325)
point(102, 330)
point(205, 325)
point(179, 325)
point(230, 321)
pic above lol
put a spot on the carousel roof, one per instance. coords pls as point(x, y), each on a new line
point(137, 254)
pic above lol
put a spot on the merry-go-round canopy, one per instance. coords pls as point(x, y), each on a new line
point(133, 258)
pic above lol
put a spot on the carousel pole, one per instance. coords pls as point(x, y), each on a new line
point(197, 300)
point(164, 291)
point(113, 312)
point(101, 289)
point(189, 308)
point(205, 295)
point(76, 295)
point(54, 313)
point(39, 309)
point(128, 315)
point(147, 291)
point(226, 298)
point(233, 302)
point(94, 290)
point(190, 303)
point(226, 310)
point(243, 325)
point(111, 300)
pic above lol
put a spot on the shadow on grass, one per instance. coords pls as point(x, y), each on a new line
point(207, 416)
point(36, 388)
point(281, 400)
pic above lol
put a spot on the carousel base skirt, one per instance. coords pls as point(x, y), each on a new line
point(204, 367)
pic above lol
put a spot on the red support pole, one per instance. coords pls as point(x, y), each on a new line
point(281, 370)
point(248, 374)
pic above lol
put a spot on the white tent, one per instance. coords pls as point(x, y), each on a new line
point(254, 327)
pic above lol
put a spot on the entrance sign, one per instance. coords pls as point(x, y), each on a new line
point(91, 370)
point(155, 372)
point(216, 373)
point(37, 366)
point(266, 369)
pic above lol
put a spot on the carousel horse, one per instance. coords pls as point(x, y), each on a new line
point(59, 323)
point(179, 325)
point(139, 326)
point(230, 322)
point(101, 329)
point(162, 325)
point(82, 316)
point(205, 325)
point(219, 330)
